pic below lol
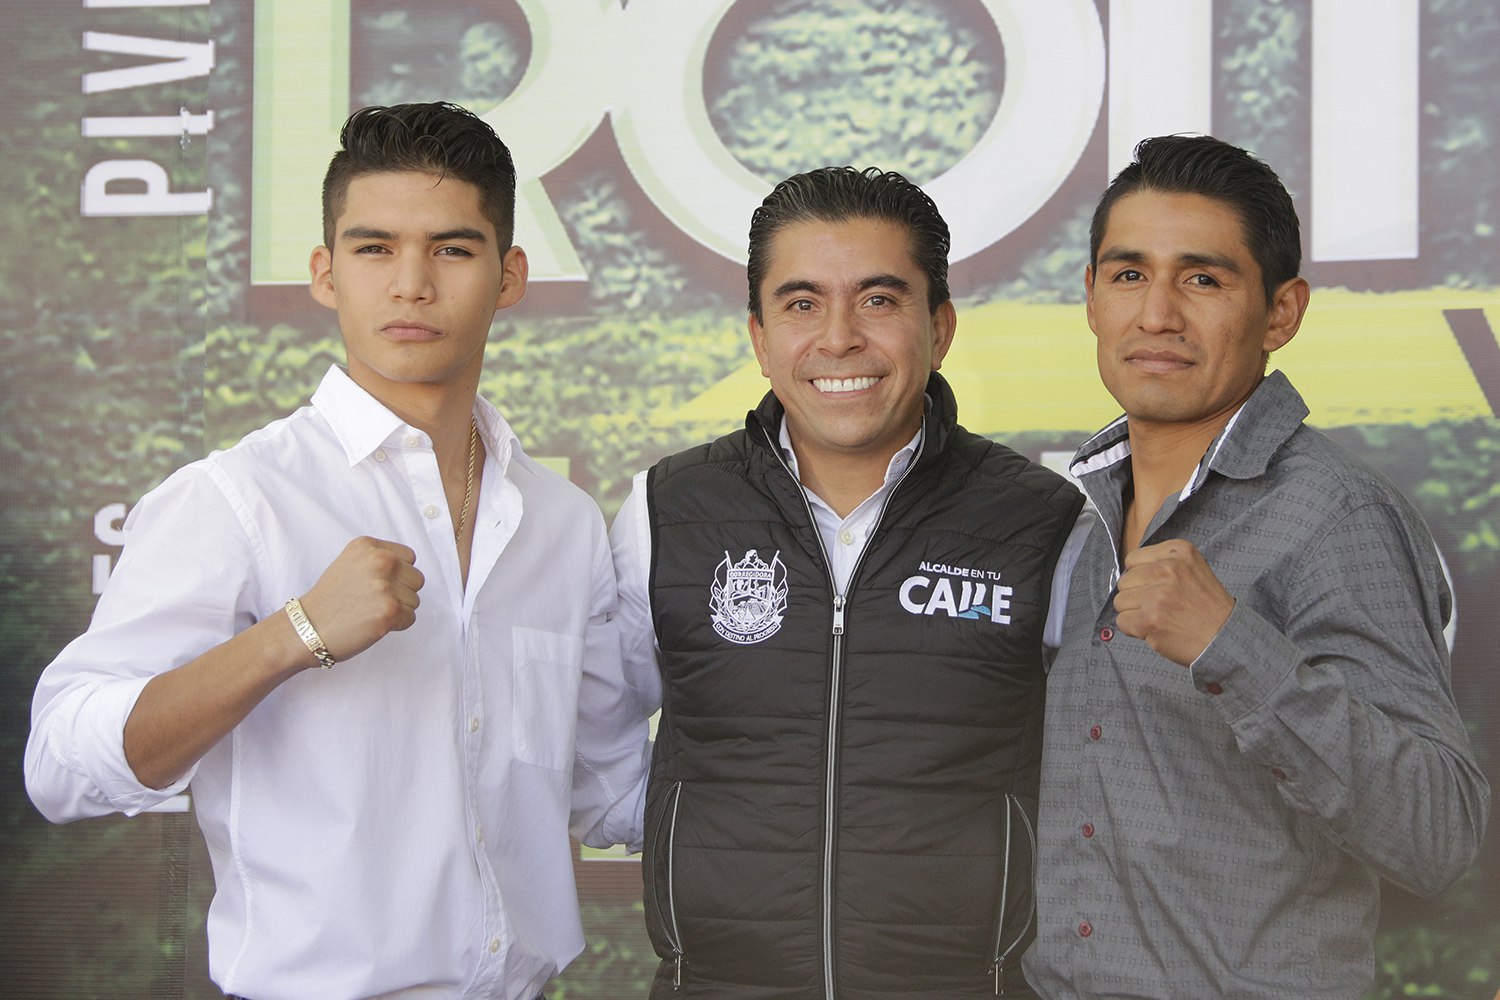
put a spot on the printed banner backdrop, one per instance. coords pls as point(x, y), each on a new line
point(160, 163)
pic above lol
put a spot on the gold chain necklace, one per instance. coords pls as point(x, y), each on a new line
point(463, 513)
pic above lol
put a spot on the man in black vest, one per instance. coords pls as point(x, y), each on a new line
point(848, 601)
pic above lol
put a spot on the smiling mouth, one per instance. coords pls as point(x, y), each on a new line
point(836, 385)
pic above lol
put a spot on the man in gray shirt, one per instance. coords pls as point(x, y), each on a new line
point(1250, 721)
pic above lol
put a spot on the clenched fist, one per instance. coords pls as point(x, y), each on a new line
point(368, 591)
point(1170, 597)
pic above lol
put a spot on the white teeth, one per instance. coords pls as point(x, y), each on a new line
point(844, 384)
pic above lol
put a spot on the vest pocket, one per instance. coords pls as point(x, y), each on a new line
point(661, 901)
point(1017, 905)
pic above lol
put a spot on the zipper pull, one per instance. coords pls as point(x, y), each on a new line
point(999, 970)
point(838, 614)
point(677, 974)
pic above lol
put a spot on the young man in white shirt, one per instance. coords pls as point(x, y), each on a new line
point(395, 824)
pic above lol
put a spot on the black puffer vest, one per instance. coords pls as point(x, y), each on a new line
point(843, 790)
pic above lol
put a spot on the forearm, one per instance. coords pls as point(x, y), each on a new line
point(619, 691)
point(1372, 747)
point(182, 713)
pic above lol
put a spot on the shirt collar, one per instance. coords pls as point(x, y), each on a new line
point(1242, 450)
point(363, 425)
point(893, 469)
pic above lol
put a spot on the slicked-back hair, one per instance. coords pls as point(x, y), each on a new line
point(437, 138)
point(1203, 165)
point(843, 194)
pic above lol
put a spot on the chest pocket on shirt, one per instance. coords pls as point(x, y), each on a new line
point(544, 709)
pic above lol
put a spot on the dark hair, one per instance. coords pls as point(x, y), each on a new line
point(840, 194)
point(438, 138)
point(1203, 165)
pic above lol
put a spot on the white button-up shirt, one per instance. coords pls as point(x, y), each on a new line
point(398, 824)
point(844, 538)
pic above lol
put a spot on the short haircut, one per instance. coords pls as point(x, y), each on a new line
point(438, 138)
point(842, 194)
point(1203, 165)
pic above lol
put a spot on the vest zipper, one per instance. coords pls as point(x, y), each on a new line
point(835, 685)
point(1003, 950)
point(674, 934)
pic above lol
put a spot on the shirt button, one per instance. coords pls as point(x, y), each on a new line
point(412, 441)
point(1095, 732)
point(430, 511)
point(479, 834)
point(474, 724)
point(847, 537)
point(1278, 774)
point(380, 456)
point(1085, 929)
point(1088, 829)
point(1106, 633)
point(1214, 687)
point(494, 945)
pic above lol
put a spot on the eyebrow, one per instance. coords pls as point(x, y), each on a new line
point(370, 233)
point(795, 285)
point(1125, 255)
point(891, 281)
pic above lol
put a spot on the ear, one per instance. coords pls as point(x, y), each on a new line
point(1288, 306)
point(944, 323)
point(320, 266)
point(758, 341)
point(513, 272)
point(1088, 297)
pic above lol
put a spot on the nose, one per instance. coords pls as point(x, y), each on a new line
point(1161, 308)
point(411, 278)
point(841, 334)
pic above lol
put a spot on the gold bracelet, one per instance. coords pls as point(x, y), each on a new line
point(309, 635)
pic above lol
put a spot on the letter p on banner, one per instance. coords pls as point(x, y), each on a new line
point(96, 198)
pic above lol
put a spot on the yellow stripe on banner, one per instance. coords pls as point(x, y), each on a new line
point(1386, 358)
point(301, 101)
point(1360, 358)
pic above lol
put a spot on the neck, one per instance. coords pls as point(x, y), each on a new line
point(1162, 459)
point(843, 482)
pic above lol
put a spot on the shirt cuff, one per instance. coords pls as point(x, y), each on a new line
point(1244, 664)
point(625, 822)
point(96, 748)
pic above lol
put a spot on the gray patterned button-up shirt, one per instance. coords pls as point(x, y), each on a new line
point(1221, 831)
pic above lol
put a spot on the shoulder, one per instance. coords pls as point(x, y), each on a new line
point(727, 453)
point(541, 484)
point(980, 461)
point(1316, 470)
point(226, 475)
point(1340, 515)
point(290, 443)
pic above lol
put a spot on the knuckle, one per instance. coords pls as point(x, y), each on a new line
point(390, 611)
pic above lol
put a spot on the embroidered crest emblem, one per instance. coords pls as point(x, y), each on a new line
point(748, 597)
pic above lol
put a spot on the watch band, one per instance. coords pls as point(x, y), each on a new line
point(308, 634)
